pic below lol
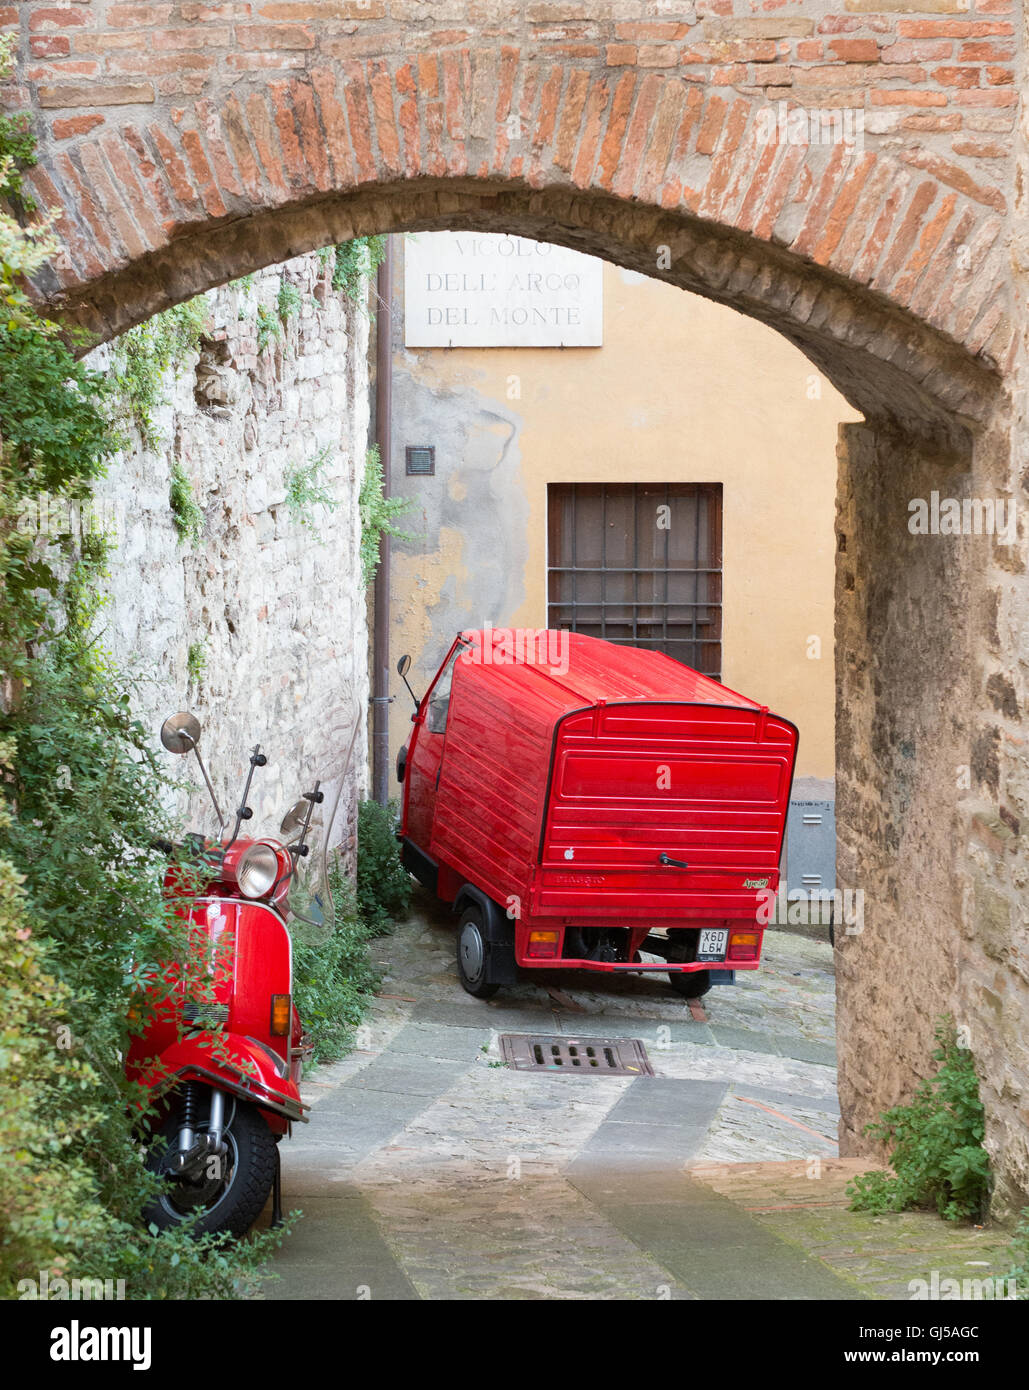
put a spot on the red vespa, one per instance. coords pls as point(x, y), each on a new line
point(223, 1047)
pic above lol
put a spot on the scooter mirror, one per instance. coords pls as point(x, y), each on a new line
point(403, 665)
point(180, 733)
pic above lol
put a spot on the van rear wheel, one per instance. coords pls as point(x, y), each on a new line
point(691, 984)
point(473, 955)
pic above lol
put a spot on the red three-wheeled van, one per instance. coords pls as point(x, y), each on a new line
point(591, 806)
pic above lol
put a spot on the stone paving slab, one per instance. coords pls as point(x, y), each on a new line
point(325, 1265)
point(716, 1251)
point(807, 1206)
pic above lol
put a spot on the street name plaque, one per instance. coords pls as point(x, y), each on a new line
point(477, 289)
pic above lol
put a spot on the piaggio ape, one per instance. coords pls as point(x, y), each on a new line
point(583, 805)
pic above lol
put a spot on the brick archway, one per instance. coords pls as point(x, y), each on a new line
point(186, 142)
point(210, 139)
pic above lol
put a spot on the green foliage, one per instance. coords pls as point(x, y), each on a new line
point(187, 513)
point(288, 301)
point(305, 489)
point(17, 142)
point(269, 328)
point(244, 285)
point(377, 515)
point(936, 1148)
point(333, 978)
point(354, 265)
point(81, 796)
point(1019, 1255)
point(196, 659)
point(145, 355)
point(383, 884)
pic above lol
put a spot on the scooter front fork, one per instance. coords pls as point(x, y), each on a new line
point(192, 1148)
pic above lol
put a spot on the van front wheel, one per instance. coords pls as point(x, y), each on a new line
point(691, 984)
point(473, 955)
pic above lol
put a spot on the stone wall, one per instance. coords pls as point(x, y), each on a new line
point(271, 608)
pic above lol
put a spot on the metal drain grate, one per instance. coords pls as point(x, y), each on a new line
point(575, 1056)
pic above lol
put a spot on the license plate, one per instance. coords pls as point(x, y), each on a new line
point(713, 943)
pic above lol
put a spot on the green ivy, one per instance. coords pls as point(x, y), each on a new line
point(269, 327)
point(305, 489)
point(935, 1143)
point(378, 514)
point(288, 300)
point(196, 659)
point(187, 513)
point(143, 357)
point(354, 264)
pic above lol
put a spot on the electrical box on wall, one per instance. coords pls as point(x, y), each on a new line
point(811, 846)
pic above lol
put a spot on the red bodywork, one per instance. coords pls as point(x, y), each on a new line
point(556, 792)
point(241, 957)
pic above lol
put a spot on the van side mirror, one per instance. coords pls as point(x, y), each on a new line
point(403, 666)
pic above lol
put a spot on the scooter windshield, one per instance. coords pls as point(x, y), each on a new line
point(309, 891)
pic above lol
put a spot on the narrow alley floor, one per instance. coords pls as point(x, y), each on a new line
point(430, 1170)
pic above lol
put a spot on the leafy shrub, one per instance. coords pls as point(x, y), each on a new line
point(936, 1148)
point(383, 884)
point(81, 794)
point(333, 978)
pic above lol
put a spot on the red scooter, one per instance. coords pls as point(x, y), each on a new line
point(222, 1047)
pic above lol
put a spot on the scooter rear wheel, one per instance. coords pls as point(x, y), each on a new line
point(228, 1195)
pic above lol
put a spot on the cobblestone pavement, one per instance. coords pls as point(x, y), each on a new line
point(430, 1170)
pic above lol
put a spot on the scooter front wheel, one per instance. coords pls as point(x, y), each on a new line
point(220, 1193)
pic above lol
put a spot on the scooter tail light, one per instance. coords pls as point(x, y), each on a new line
point(280, 1016)
point(543, 945)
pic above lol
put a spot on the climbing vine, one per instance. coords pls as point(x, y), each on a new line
point(354, 263)
point(143, 357)
point(378, 515)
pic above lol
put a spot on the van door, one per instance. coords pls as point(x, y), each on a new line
point(425, 753)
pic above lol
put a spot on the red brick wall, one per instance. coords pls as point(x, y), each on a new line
point(158, 120)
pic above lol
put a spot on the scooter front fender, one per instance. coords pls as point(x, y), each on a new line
point(239, 1065)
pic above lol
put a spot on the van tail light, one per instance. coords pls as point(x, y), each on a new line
point(744, 945)
point(280, 1020)
point(543, 945)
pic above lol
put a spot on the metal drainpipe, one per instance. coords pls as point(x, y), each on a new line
point(383, 420)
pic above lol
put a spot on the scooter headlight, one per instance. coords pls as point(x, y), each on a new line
point(257, 870)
